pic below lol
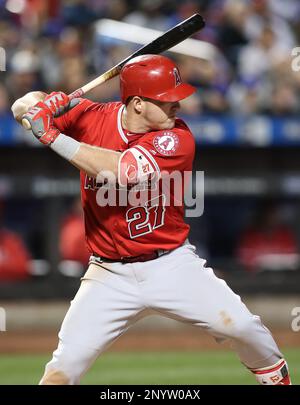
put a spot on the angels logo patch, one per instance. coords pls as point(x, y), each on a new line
point(166, 143)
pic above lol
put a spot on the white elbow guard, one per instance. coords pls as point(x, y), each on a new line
point(135, 166)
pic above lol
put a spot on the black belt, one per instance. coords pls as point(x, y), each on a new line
point(129, 259)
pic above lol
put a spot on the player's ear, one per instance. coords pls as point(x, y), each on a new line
point(138, 104)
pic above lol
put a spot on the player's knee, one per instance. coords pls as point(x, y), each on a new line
point(238, 328)
point(55, 377)
point(246, 327)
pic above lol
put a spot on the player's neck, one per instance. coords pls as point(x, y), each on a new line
point(133, 123)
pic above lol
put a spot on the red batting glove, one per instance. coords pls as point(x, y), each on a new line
point(41, 120)
point(59, 103)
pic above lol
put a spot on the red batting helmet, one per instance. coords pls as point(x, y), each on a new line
point(155, 77)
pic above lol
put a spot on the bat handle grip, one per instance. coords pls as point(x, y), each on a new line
point(76, 94)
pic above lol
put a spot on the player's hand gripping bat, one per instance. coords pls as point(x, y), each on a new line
point(166, 41)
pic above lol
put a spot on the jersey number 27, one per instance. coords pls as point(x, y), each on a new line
point(139, 219)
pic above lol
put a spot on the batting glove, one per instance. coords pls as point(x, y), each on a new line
point(59, 103)
point(41, 119)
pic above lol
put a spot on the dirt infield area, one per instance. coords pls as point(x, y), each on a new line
point(159, 340)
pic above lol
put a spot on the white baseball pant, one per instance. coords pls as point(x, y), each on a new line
point(113, 296)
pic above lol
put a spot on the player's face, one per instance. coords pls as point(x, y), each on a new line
point(160, 114)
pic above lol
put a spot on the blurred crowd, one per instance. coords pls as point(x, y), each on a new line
point(51, 45)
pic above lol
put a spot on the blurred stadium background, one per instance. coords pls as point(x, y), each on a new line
point(245, 117)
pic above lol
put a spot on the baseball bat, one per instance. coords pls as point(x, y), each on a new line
point(172, 37)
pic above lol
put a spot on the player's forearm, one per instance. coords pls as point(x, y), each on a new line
point(90, 159)
point(23, 104)
point(93, 160)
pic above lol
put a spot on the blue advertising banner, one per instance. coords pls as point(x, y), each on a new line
point(257, 131)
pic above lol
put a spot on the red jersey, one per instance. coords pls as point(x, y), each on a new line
point(120, 231)
point(72, 246)
point(256, 244)
point(14, 258)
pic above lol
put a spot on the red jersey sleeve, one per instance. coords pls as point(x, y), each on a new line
point(77, 122)
point(169, 150)
point(14, 257)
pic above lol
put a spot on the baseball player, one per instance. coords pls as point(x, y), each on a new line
point(141, 260)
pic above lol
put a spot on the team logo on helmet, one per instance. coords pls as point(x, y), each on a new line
point(167, 143)
point(177, 77)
